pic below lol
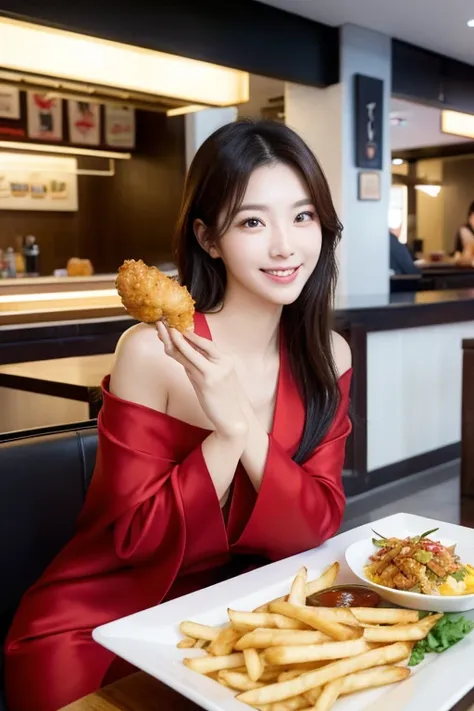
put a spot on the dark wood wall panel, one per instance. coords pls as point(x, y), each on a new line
point(129, 215)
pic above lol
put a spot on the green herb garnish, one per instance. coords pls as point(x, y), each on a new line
point(459, 574)
point(447, 631)
point(417, 539)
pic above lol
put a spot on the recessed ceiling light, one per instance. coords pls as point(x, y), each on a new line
point(397, 161)
point(470, 23)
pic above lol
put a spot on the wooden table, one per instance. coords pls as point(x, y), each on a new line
point(71, 378)
point(140, 692)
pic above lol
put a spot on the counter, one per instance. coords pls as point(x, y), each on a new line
point(407, 358)
point(407, 387)
point(39, 285)
point(59, 299)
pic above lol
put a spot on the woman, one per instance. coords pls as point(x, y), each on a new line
point(464, 243)
point(221, 449)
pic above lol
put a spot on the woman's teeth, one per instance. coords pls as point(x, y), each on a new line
point(280, 272)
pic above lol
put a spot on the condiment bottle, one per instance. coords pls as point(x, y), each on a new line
point(31, 253)
point(10, 262)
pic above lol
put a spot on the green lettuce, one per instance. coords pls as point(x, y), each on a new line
point(447, 631)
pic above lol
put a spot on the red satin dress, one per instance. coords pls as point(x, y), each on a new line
point(152, 528)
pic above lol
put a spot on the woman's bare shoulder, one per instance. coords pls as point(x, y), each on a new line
point(141, 368)
point(341, 353)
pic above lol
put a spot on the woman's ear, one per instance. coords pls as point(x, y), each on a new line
point(201, 233)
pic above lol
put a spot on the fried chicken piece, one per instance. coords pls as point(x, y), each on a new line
point(149, 296)
point(388, 575)
point(412, 573)
point(382, 563)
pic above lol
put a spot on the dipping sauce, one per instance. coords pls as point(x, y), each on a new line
point(345, 596)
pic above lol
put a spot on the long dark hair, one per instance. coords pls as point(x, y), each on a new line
point(215, 186)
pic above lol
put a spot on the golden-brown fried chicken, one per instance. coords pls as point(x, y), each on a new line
point(149, 296)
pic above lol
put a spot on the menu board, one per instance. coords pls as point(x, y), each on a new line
point(46, 183)
point(119, 126)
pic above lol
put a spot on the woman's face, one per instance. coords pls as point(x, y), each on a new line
point(274, 241)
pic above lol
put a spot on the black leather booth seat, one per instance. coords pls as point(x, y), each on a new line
point(44, 476)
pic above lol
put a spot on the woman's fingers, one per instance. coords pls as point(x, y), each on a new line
point(203, 344)
point(172, 351)
point(193, 356)
point(164, 335)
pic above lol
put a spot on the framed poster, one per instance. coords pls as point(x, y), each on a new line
point(368, 122)
point(369, 186)
point(84, 122)
point(45, 116)
point(119, 126)
point(9, 102)
point(46, 183)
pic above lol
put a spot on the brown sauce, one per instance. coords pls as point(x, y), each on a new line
point(345, 596)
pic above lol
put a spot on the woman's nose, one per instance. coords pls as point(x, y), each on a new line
point(281, 245)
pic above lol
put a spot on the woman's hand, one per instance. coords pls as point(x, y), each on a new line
point(213, 377)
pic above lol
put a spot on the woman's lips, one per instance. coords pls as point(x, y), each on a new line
point(282, 276)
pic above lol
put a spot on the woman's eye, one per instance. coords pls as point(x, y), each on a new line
point(304, 216)
point(251, 222)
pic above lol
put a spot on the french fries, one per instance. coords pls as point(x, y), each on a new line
point(401, 633)
point(205, 665)
point(279, 656)
point(308, 680)
point(254, 664)
point(264, 638)
point(251, 620)
point(192, 629)
point(288, 656)
point(312, 617)
point(297, 594)
point(329, 695)
point(223, 643)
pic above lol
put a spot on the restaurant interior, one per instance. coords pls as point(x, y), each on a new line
point(93, 159)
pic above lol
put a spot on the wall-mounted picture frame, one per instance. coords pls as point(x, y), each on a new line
point(9, 102)
point(368, 105)
point(369, 188)
point(84, 122)
point(45, 116)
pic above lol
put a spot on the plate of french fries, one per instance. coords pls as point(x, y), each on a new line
point(254, 641)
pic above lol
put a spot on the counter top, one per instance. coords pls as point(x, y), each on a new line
point(402, 300)
point(58, 307)
point(52, 280)
point(405, 309)
point(61, 284)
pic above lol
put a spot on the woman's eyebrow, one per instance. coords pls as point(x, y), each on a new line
point(264, 208)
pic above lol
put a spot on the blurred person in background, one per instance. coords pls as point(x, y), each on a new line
point(464, 241)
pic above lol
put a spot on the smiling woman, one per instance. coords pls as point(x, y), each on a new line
point(220, 448)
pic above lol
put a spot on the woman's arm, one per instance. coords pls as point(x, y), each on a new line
point(141, 373)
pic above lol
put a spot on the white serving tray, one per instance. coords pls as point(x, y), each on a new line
point(148, 639)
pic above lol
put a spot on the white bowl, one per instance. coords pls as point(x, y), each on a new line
point(357, 557)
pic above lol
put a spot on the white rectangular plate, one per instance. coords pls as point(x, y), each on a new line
point(148, 639)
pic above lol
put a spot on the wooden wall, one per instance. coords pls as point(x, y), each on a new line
point(129, 215)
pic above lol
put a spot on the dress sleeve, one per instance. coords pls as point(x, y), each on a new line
point(149, 484)
point(299, 507)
